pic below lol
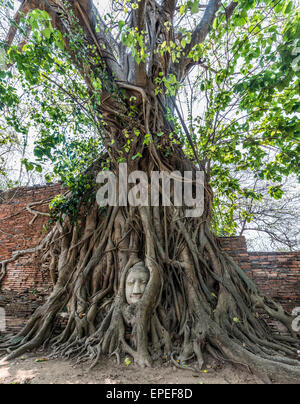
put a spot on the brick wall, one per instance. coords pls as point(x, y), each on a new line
point(26, 285)
point(278, 275)
point(16, 233)
point(19, 306)
point(236, 247)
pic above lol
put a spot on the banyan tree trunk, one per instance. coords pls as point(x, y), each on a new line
point(197, 299)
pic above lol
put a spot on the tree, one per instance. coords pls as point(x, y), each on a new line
point(276, 220)
point(268, 224)
point(244, 198)
point(119, 78)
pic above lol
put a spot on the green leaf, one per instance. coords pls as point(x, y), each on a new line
point(47, 32)
point(127, 362)
point(194, 7)
point(121, 24)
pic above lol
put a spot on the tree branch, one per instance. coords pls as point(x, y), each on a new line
point(169, 7)
point(203, 27)
point(23, 11)
point(140, 15)
point(230, 9)
point(200, 34)
point(89, 19)
point(138, 75)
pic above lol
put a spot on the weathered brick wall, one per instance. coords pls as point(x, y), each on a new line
point(16, 233)
point(236, 247)
point(278, 275)
point(20, 306)
point(26, 286)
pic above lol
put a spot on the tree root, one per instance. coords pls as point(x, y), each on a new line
point(197, 299)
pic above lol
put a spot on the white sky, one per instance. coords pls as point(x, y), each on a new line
point(102, 5)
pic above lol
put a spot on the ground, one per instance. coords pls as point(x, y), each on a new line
point(28, 371)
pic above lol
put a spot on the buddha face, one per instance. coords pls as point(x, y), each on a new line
point(136, 283)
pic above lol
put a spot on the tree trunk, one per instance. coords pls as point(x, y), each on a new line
point(197, 299)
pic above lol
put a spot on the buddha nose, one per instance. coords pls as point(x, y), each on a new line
point(137, 288)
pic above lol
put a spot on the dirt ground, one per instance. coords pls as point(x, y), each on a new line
point(29, 370)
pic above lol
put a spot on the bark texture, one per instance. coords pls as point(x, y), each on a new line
point(197, 300)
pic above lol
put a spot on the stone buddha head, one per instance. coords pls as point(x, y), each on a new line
point(136, 282)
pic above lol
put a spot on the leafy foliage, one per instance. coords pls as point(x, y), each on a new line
point(245, 89)
point(249, 94)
